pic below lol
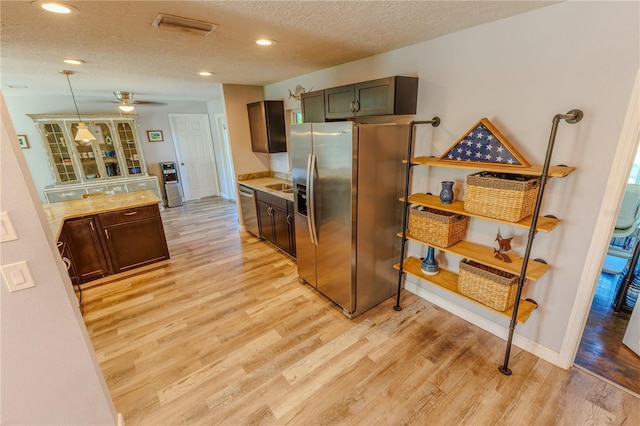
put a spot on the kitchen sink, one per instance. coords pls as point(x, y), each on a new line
point(284, 187)
point(287, 191)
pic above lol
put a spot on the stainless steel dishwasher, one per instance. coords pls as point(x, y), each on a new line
point(249, 211)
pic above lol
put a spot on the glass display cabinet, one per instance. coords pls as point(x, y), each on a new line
point(111, 162)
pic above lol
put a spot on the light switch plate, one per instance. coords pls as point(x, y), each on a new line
point(17, 276)
point(7, 231)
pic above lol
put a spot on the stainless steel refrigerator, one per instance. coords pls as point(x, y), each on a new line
point(348, 179)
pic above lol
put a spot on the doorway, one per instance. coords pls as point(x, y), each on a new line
point(598, 346)
point(194, 148)
point(225, 162)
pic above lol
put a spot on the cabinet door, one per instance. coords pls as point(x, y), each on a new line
point(266, 124)
point(106, 150)
point(280, 228)
point(386, 96)
point(264, 221)
point(313, 106)
point(86, 155)
point(133, 164)
point(59, 153)
point(137, 243)
point(82, 241)
point(258, 127)
point(339, 102)
point(375, 97)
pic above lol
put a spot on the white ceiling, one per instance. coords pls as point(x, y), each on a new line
point(123, 51)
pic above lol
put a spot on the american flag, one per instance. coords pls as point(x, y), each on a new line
point(481, 145)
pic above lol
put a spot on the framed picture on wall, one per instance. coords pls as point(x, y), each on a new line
point(155, 135)
point(23, 141)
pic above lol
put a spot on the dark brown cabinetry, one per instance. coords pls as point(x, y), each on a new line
point(385, 96)
point(312, 104)
point(275, 218)
point(110, 243)
point(134, 238)
point(266, 124)
point(83, 248)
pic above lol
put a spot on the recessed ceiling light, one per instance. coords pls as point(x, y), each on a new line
point(265, 42)
point(73, 61)
point(206, 73)
point(55, 7)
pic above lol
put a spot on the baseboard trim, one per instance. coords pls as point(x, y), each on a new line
point(496, 329)
point(120, 419)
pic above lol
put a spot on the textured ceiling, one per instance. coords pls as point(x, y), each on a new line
point(123, 51)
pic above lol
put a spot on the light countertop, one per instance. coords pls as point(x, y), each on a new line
point(57, 213)
point(260, 184)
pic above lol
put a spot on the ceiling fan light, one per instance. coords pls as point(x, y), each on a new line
point(84, 134)
point(126, 108)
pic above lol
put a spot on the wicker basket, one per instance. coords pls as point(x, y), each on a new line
point(487, 285)
point(502, 196)
point(435, 227)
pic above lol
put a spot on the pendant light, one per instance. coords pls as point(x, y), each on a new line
point(83, 133)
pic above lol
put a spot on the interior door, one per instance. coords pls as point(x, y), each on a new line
point(194, 147)
point(225, 163)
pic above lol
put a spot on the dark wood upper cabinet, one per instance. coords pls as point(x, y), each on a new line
point(312, 104)
point(266, 124)
point(385, 96)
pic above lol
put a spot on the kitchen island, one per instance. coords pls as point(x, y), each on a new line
point(109, 236)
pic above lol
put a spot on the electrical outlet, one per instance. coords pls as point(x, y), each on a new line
point(17, 276)
point(7, 231)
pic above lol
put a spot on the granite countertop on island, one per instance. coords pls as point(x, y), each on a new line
point(57, 213)
point(260, 182)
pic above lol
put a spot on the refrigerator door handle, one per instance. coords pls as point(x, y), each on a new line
point(311, 197)
point(308, 186)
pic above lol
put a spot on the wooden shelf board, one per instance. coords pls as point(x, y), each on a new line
point(554, 171)
point(544, 224)
point(449, 281)
point(485, 255)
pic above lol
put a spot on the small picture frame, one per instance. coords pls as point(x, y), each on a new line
point(23, 141)
point(155, 135)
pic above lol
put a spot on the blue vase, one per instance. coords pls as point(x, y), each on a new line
point(446, 194)
point(430, 264)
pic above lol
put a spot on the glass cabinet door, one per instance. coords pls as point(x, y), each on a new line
point(60, 155)
point(107, 150)
point(130, 149)
point(86, 156)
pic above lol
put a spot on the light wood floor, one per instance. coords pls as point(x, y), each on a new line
point(227, 335)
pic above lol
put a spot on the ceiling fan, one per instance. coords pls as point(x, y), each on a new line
point(127, 103)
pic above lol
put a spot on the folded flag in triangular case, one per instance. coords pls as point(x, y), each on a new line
point(484, 144)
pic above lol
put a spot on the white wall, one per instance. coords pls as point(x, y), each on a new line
point(50, 374)
point(520, 72)
point(236, 98)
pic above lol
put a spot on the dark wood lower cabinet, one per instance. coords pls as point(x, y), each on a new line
point(84, 249)
point(275, 218)
point(134, 244)
point(114, 242)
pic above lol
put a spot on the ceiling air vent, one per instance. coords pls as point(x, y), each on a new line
point(178, 23)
